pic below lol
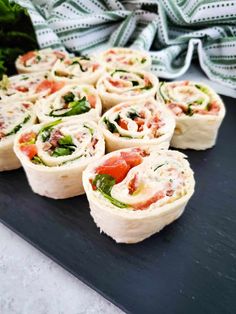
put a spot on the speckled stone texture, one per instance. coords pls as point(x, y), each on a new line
point(32, 283)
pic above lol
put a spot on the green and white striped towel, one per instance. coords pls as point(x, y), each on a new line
point(175, 31)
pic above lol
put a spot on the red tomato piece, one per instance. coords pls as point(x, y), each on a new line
point(29, 150)
point(56, 86)
point(27, 137)
point(115, 167)
point(27, 56)
point(22, 89)
point(132, 158)
point(95, 66)
point(123, 124)
point(116, 83)
point(92, 100)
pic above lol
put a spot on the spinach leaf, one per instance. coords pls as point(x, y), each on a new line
point(132, 114)
point(134, 83)
point(18, 127)
point(66, 140)
point(80, 65)
point(77, 107)
point(118, 70)
point(61, 151)
point(104, 184)
point(37, 160)
point(110, 126)
point(45, 132)
point(16, 35)
point(69, 97)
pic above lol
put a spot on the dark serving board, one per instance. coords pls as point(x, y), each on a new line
point(187, 268)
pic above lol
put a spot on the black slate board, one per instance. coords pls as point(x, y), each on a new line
point(187, 268)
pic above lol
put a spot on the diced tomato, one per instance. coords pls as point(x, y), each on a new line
point(132, 158)
point(29, 150)
point(115, 167)
point(132, 185)
point(116, 83)
point(22, 89)
point(92, 100)
point(27, 56)
point(123, 124)
point(59, 54)
point(145, 204)
point(93, 186)
point(56, 86)
point(214, 107)
point(27, 137)
point(95, 66)
point(140, 123)
point(49, 85)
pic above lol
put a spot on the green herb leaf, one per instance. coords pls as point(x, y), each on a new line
point(132, 114)
point(66, 140)
point(135, 83)
point(143, 60)
point(90, 129)
point(69, 97)
point(159, 167)
point(45, 132)
point(61, 151)
point(119, 70)
point(104, 184)
point(19, 126)
point(202, 88)
point(77, 107)
point(110, 126)
point(37, 160)
point(189, 111)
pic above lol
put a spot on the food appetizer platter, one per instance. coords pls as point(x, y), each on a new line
point(101, 176)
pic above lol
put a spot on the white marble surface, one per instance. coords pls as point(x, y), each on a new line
point(31, 283)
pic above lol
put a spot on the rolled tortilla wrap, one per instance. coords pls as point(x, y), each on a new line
point(120, 85)
point(80, 101)
point(137, 124)
point(134, 193)
point(28, 86)
point(39, 60)
point(79, 70)
point(198, 110)
point(14, 117)
point(55, 154)
point(126, 58)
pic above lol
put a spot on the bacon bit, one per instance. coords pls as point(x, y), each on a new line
point(1, 124)
point(27, 56)
point(55, 136)
point(26, 105)
point(142, 114)
point(123, 124)
point(1, 135)
point(176, 109)
point(95, 66)
point(22, 89)
point(92, 100)
point(145, 204)
point(27, 137)
point(141, 152)
point(46, 146)
point(112, 52)
point(132, 185)
point(169, 193)
point(59, 54)
point(116, 83)
point(108, 59)
point(94, 142)
point(146, 81)
point(93, 186)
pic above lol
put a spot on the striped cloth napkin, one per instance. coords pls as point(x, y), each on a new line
point(175, 31)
